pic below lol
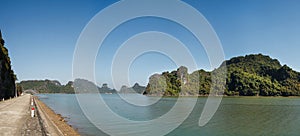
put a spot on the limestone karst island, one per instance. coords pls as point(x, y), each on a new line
point(149, 68)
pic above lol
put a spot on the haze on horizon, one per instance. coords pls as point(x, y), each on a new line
point(41, 35)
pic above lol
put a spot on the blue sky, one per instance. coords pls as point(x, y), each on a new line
point(41, 35)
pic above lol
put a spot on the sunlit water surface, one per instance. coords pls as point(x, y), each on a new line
point(236, 115)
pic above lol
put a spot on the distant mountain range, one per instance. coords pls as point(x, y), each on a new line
point(250, 75)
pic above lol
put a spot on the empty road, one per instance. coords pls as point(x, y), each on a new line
point(13, 114)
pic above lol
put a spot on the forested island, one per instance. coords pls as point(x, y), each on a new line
point(250, 75)
point(83, 86)
point(46, 86)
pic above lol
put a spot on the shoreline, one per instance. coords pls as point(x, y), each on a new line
point(53, 123)
point(151, 95)
point(229, 96)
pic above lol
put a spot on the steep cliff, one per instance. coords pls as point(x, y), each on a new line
point(7, 76)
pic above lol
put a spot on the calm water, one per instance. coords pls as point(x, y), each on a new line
point(236, 115)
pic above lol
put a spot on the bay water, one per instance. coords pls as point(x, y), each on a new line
point(235, 116)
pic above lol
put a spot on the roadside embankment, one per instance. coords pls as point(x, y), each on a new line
point(54, 124)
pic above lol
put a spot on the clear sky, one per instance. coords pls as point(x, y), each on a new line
point(41, 35)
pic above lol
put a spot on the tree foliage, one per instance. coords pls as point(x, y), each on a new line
point(7, 76)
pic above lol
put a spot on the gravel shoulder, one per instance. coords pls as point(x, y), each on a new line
point(54, 124)
point(32, 127)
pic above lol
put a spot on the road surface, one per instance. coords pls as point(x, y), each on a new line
point(13, 115)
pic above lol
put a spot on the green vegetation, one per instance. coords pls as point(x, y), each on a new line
point(47, 86)
point(7, 76)
point(81, 85)
point(53, 86)
point(249, 75)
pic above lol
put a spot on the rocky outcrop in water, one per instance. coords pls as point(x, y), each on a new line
point(136, 88)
